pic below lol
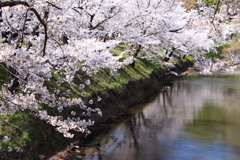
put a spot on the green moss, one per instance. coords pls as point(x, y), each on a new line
point(119, 49)
point(21, 128)
point(189, 58)
point(222, 47)
point(211, 54)
point(25, 130)
point(116, 52)
point(141, 70)
point(210, 2)
point(121, 46)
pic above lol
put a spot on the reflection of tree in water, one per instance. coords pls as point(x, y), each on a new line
point(132, 128)
point(154, 117)
point(130, 132)
point(140, 120)
point(153, 131)
point(145, 125)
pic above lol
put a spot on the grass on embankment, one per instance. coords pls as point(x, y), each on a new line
point(29, 133)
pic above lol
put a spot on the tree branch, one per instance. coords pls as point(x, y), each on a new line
point(45, 29)
point(54, 5)
point(14, 3)
point(12, 73)
point(215, 12)
point(176, 30)
point(20, 39)
point(99, 23)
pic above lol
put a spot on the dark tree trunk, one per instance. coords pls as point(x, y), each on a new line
point(166, 59)
point(139, 47)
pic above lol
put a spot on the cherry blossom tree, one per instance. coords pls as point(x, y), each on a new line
point(51, 41)
point(47, 42)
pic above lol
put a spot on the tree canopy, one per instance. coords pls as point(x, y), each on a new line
point(52, 40)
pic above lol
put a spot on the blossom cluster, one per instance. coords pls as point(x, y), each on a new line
point(52, 41)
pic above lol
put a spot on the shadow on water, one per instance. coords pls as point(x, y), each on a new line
point(192, 119)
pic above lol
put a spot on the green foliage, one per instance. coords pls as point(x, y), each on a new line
point(119, 49)
point(116, 52)
point(222, 47)
point(121, 59)
point(21, 128)
point(159, 58)
point(189, 58)
point(142, 70)
point(213, 55)
point(218, 55)
point(225, 45)
point(210, 2)
point(24, 44)
point(121, 46)
point(24, 129)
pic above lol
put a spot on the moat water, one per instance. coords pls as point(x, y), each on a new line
point(194, 119)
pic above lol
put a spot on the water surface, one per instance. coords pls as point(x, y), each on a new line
point(194, 119)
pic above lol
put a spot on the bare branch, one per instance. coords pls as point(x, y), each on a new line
point(158, 4)
point(215, 12)
point(20, 39)
point(96, 26)
point(176, 30)
point(149, 2)
point(45, 29)
point(13, 3)
point(76, 10)
point(54, 5)
point(12, 73)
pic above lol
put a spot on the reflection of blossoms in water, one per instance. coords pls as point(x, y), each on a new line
point(172, 115)
point(85, 51)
